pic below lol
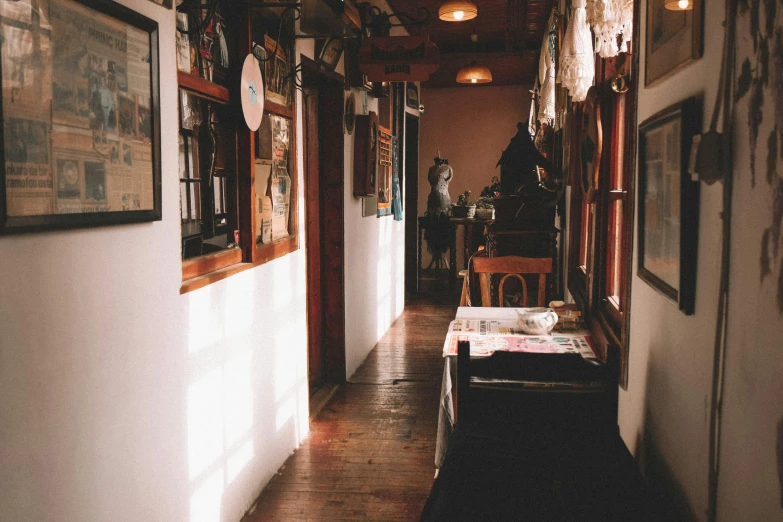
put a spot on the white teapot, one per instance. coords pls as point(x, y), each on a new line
point(537, 321)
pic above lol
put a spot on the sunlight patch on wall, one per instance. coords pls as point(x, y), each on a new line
point(202, 331)
point(206, 500)
point(205, 423)
point(220, 422)
point(282, 285)
point(285, 412)
point(286, 359)
point(239, 460)
point(239, 309)
point(238, 397)
point(384, 278)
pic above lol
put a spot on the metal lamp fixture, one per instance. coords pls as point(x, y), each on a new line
point(474, 73)
point(457, 11)
point(679, 5)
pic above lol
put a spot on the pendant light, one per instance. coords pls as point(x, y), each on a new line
point(457, 11)
point(474, 73)
point(679, 5)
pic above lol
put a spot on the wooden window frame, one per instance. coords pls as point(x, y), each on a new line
point(204, 270)
point(590, 285)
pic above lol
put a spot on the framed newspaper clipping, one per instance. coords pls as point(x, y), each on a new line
point(81, 118)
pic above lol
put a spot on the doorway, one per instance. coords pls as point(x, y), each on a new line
point(324, 229)
point(411, 204)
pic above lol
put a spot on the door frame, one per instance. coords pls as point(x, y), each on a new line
point(328, 220)
point(411, 198)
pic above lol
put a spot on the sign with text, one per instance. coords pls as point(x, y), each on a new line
point(398, 58)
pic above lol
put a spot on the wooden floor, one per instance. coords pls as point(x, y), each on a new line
point(370, 454)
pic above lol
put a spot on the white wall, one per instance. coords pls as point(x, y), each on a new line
point(664, 414)
point(121, 399)
point(374, 267)
point(751, 486)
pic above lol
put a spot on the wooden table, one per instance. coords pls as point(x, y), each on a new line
point(468, 247)
point(446, 418)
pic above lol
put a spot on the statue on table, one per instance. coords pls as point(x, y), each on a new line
point(439, 176)
point(438, 207)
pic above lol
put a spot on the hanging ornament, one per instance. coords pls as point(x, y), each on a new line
point(546, 104)
point(611, 21)
point(577, 65)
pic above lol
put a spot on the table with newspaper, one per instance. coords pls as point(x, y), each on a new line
point(490, 329)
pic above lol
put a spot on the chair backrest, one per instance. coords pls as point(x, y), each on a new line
point(511, 267)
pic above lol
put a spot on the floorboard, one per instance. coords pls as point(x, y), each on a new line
point(370, 453)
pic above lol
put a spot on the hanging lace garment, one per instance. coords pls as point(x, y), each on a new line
point(546, 75)
point(533, 114)
point(611, 21)
point(577, 65)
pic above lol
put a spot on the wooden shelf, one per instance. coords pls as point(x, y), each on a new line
point(203, 87)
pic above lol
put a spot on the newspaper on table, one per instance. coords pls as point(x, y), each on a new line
point(487, 336)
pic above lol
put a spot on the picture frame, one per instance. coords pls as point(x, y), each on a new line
point(673, 39)
point(329, 51)
point(81, 121)
point(412, 95)
point(668, 204)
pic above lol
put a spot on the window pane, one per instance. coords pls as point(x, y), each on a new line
point(615, 251)
point(219, 184)
point(583, 236)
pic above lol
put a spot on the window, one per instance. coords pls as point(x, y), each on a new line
point(601, 227)
point(208, 193)
point(237, 187)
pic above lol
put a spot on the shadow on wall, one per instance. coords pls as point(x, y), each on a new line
point(667, 449)
point(666, 492)
point(246, 388)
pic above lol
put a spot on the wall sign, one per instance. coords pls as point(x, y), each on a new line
point(398, 58)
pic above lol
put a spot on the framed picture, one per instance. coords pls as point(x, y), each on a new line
point(329, 52)
point(412, 95)
point(669, 203)
point(81, 117)
point(674, 38)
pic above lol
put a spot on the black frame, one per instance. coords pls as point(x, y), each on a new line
point(688, 113)
point(24, 224)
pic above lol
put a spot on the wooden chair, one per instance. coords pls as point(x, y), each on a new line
point(467, 276)
point(511, 267)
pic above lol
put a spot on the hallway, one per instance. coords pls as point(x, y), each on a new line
point(370, 453)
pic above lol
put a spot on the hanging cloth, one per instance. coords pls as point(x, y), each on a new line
point(546, 105)
point(611, 21)
point(396, 202)
point(533, 114)
point(577, 65)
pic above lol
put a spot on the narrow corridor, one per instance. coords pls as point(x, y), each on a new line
point(370, 454)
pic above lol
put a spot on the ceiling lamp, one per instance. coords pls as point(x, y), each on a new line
point(457, 11)
point(474, 73)
point(679, 5)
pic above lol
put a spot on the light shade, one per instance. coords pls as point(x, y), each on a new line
point(474, 73)
point(679, 5)
point(457, 11)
